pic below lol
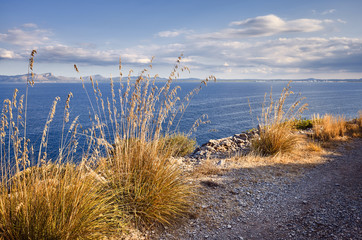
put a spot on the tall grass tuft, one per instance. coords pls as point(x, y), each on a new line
point(135, 135)
point(125, 172)
point(56, 202)
point(354, 127)
point(45, 200)
point(149, 186)
point(329, 127)
point(275, 125)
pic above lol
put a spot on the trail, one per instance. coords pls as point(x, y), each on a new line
point(324, 203)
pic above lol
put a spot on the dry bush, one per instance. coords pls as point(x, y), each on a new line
point(56, 202)
point(275, 139)
point(146, 184)
point(48, 200)
point(354, 127)
point(178, 145)
point(275, 126)
point(137, 131)
point(124, 172)
point(329, 127)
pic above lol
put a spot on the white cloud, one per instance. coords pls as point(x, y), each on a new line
point(266, 26)
point(328, 11)
point(7, 54)
point(230, 53)
point(174, 33)
point(30, 25)
point(25, 37)
point(167, 34)
point(341, 21)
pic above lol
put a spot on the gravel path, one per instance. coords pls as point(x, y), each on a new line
point(325, 203)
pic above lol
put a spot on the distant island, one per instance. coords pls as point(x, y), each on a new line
point(51, 78)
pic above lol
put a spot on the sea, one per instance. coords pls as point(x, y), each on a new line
point(231, 107)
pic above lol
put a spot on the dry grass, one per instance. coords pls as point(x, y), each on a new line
point(354, 127)
point(138, 135)
point(56, 202)
point(44, 200)
point(315, 147)
point(275, 126)
point(123, 175)
point(329, 127)
point(208, 167)
point(150, 188)
point(275, 139)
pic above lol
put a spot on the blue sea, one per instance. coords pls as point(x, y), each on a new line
point(225, 103)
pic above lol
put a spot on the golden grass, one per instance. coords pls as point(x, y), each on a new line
point(329, 127)
point(124, 174)
point(267, 168)
point(150, 188)
point(354, 127)
point(138, 137)
point(275, 126)
point(208, 167)
point(56, 202)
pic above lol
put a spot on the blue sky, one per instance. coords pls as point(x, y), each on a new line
point(229, 39)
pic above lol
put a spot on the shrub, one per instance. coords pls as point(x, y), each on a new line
point(329, 127)
point(178, 145)
point(125, 171)
point(302, 124)
point(275, 139)
point(149, 187)
point(56, 202)
point(139, 139)
point(354, 127)
point(275, 129)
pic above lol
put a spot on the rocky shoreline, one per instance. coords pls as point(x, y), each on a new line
point(236, 145)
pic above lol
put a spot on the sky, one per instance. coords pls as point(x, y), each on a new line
point(230, 39)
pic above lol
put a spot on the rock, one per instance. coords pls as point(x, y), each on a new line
point(239, 143)
point(220, 163)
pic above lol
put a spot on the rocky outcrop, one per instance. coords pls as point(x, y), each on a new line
point(239, 144)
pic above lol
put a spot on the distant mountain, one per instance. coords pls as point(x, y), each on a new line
point(51, 78)
point(39, 78)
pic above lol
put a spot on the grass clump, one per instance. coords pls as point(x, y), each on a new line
point(275, 139)
point(125, 172)
point(302, 124)
point(329, 127)
point(56, 202)
point(139, 137)
point(149, 187)
point(45, 200)
point(354, 127)
point(179, 145)
point(275, 128)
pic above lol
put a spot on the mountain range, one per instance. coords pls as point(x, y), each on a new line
point(51, 78)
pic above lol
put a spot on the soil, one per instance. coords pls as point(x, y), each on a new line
point(286, 201)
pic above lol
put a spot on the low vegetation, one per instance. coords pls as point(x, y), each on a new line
point(275, 125)
point(124, 178)
point(302, 124)
point(329, 127)
point(127, 175)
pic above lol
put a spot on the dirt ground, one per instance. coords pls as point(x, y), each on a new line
point(310, 200)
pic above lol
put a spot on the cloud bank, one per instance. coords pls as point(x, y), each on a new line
point(268, 25)
point(250, 47)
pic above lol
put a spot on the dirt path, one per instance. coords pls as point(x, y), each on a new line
point(325, 203)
